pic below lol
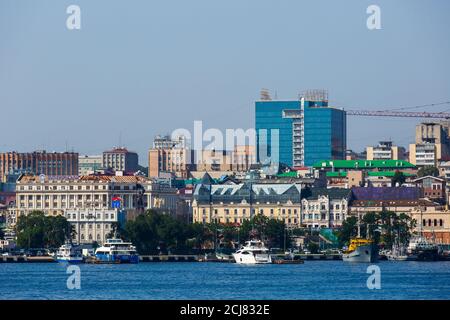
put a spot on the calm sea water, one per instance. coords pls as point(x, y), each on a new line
point(311, 280)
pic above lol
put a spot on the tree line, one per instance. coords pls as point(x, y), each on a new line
point(385, 228)
point(154, 232)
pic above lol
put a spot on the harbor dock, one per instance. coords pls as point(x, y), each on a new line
point(21, 259)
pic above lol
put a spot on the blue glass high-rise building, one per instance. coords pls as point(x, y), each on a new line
point(300, 132)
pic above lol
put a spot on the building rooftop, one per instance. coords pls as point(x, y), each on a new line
point(331, 193)
point(363, 164)
point(119, 150)
point(386, 193)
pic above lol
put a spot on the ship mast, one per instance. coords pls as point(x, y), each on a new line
point(359, 225)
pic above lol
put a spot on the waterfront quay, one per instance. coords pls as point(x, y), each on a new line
point(169, 258)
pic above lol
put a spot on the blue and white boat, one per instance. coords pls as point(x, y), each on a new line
point(117, 251)
point(69, 253)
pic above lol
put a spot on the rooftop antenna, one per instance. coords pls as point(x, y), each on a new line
point(265, 95)
point(120, 139)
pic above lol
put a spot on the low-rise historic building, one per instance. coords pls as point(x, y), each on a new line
point(326, 208)
point(56, 195)
point(91, 224)
point(235, 203)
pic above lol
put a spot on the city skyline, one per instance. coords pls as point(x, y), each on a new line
point(69, 91)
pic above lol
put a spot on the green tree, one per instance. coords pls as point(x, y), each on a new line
point(313, 247)
point(153, 232)
point(348, 230)
point(398, 178)
point(271, 231)
point(428, 171)
point(39, 231)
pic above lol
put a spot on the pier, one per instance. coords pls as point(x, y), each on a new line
point(22, 259)
point(169, 258)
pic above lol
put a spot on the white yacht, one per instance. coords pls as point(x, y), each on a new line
point(69, 253)
point(253, 252)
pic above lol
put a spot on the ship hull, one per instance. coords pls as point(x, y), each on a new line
point(427, 255)
point(117, 258)
point(364, 254)
point(252, 259)
point(71, 260)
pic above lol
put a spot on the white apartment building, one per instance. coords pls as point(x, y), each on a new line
point(325, 208)
point(56, 195)
point(92, 224)
point(385, 150)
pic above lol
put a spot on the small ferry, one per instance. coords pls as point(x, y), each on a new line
point(116, 251)
point(253, 252)
point(69, 253)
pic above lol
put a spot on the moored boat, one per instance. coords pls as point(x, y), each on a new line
point(69, 253)
point(253, 252)
point(423, 249)
point(116, 251)
point(361, 250)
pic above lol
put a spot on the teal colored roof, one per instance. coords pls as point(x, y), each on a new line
point(291, 174)
point(336, 174)
point(363, 164)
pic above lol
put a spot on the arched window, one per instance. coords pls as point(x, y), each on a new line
point(435, 222)
point(441, 223)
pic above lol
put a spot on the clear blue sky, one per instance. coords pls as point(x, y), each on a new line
point(139, 68)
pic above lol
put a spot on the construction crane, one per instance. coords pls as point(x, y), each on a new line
point(403, 114)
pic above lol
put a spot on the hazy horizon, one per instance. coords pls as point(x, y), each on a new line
point(142, 68)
